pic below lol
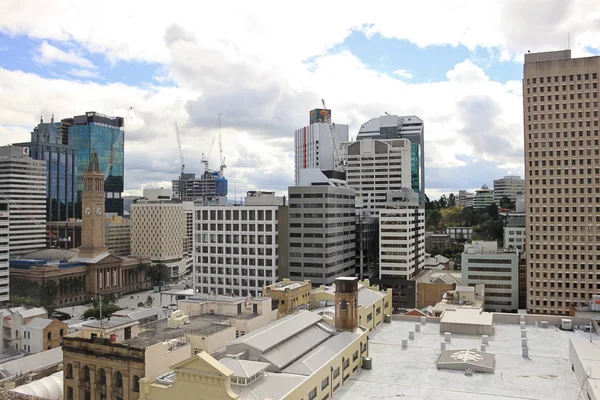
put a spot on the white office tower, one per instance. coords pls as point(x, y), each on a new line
point(188, 247)
point(237, 248)
point(508, 186)
point(4, 253)
point(313, 144)
point(158, 230)
point(376, 166)
point(23, 186)
point(401, 236)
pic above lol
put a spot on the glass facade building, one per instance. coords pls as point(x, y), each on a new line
point(48, 142)
point(102, 133)
point(415, 169)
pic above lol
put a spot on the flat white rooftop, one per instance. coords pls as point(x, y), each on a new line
point(412, 374)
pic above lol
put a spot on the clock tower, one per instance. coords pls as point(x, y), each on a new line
point(92, 235)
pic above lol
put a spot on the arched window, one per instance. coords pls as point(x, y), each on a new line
point(136, 383)
point(102, 376)
point(86, 373)
point(70, 371)
point(118, 380)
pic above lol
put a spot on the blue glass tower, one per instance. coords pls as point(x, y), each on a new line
point(105, 135)
point(49, 142)
point(415, 169)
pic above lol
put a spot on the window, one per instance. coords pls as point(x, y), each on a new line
point(70, 371)
point(355, 356)
point(49, 335)
point(325, 383)
point(61, 333)
point(69, 392)
point(102, 376)
point(118, 379)
point(87, 395)
point(312, 394)
point(345, 363)
point(86, 373)
point(336, 372)
point(136, 383)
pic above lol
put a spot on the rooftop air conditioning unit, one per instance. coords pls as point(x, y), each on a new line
point(566, 324)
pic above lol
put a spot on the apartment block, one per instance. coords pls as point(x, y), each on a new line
point(376, 166)
point(23, 186)
point(562, 169)
point(465, 199)
point(158, 230)
point(508, 186)
point(483, 262)
point(322, 232)
point(237, 248)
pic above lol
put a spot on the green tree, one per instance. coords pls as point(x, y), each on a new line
point(443, 201)
point(492, 211)
point(451, 200)
point(506, 202)
point(159, 273)
point(149, 301)
point(107, 311)
point(433, 220)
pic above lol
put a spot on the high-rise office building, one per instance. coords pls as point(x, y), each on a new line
point(105, 135)
point(406, 127)
point(483, 197)
point(211, 185)
point(4, 251)
point(237, 248)
point(322, 228)
point(465, 199)
point(562, 169)
point(313, 145)
point(375, 167)
point(158, 231)
point(23, 185)
point(508, 186)
point(49, 142)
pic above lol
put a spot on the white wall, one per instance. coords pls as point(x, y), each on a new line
point(32, 340)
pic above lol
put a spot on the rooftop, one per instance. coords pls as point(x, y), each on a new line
point(412, 372)
point(39, 323)
point(35, 362)
point(158, 331)
point(50, 254)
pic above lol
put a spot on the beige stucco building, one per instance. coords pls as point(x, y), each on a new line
point(289, 296)
point(562, 168)
point(118, 236)
point(298, 357)
point(159, 231)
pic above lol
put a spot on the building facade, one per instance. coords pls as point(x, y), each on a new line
point(465, 199)
point(41, 334)
point(508, 186)
point(289, 296)
point(23, 186)
point(367, 245)
point(459, 233)
point(560, 108)
point(376, 166)
point(50, 142)
point(210, 185)
point(118, 236)
point(4, 251)
point(158, 230)
point(322, 233)
point(483, 198)
point(237, 248)
point(483, 262)
point(405, 127)
point(313, 147)
point(104, 135)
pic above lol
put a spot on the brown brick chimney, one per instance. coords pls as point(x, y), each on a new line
point(346, 303)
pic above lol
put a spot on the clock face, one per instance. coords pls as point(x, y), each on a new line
point(88, 211)
point(98, 211)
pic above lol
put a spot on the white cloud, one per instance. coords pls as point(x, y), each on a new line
point(83, 73)
point(48, 54)
point(403, 73)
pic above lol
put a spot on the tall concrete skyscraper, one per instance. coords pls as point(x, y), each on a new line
point(405, 127)
point(562, 173)
point(4, 251)
point(313, 145)
point(23, 185)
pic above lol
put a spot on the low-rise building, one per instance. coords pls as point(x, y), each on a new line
point(483, 262)
point(13, 320)
point(297, 357)
point(107, 359)
point(373, 303)
point(432, 284)
point(289, 296)
point(41, 334)
point(471, 297)
point(460, 233)
point(437, 241)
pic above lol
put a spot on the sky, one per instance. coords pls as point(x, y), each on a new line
point(263, 65)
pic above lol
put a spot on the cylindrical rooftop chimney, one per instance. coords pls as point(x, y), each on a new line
point(346, 303)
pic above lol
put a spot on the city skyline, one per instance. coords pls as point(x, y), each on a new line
point(463, 80)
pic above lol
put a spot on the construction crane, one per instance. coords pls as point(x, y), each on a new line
point(206, 158)
point(116, 138)
point(337, 158)
point(221, 158)
point(180, 151)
